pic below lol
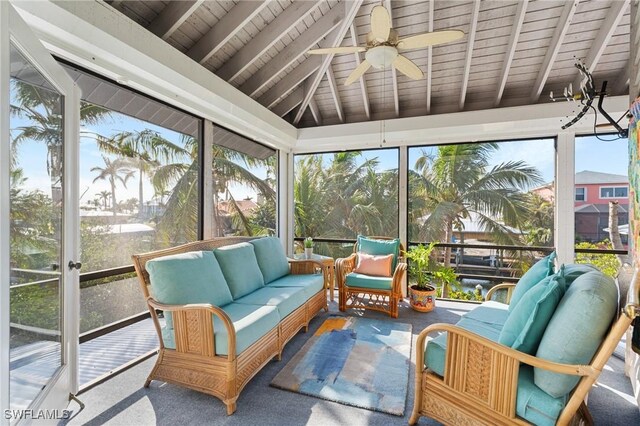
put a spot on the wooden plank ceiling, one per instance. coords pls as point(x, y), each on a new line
point(513, 52)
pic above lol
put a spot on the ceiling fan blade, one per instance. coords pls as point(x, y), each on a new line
point(429, 39)
point(407, 67)
point(337, 50)
point(380, 24)
point(358, 72)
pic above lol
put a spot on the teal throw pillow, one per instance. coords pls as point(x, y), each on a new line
point(527, 322)
point(542, 269)
point(240, 268)
point(380, 247)
point(577, 329)
point(271, 258)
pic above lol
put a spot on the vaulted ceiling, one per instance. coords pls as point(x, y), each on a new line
point(513, 52)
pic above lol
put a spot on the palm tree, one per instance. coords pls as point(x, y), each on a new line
point(458, 182)
point(113, 171)
point(104, 196)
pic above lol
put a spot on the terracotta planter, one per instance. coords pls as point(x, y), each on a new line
point(422, 300)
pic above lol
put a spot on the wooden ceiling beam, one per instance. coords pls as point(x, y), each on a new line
point(432, 8)
point(282, 88)
point(363, 82)
point(554, 47)
point(315, 111)
point(333, 87)
point(471, 38)
point(599, 44)
point(394, 73)
point(521, 11)
point(292, 101)
point(172, 16)
point(228, 26)
point(621, 82)
point(348, 11)
point(294, 50)
point(265, 40)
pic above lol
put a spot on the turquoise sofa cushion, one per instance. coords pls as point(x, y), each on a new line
point(577, 329)
point(354, 279)
point(535, 405)
point(240, 268)
point(311, 283)
point(540, 270)
point(251, 322)
point(574, 270)
point(526, 323)
point(286, 299)
point(434, 354)
point(192, 277)
point(380, 247)
point(492, 313)
point(271, 258)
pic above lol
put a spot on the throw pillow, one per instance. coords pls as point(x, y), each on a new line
point(369, 264)
point(527, 322)
point(543, 268)
point(379, 247)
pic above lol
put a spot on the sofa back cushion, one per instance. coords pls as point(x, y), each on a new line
point(380, 247)
point(527, 322)
point(192, 277)
point(542, 269)
point(576, 329)
point(240, 268)
point(574, 270)
point(271, 258)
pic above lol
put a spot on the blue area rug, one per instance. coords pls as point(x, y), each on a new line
point(353, 361)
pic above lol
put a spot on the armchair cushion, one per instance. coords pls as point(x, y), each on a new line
point(535, 405)
point(192, 277)
point(542, 269)
point(526, 323)
point(380, 247)
point(240, 268)
point(368, 281)
point(377, 265)
point(271, 258)
point(577, 329)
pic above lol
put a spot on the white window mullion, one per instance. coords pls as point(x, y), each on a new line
point(403, 182)
point(285, 200)
point(564, 196)
point(207, 209)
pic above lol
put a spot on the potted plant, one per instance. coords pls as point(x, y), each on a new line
point(422, 293)
point(308, 247)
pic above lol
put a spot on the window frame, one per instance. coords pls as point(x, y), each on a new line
point(584, 193)
point(613, 188)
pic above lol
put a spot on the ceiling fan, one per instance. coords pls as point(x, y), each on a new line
point(383, 47)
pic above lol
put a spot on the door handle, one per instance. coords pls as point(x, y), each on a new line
point(74, 265)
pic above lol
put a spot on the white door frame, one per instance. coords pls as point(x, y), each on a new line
point(14, 30)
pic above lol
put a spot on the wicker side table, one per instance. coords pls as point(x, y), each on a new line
point(329, 264)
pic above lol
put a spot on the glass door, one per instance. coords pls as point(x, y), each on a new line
point(40, 109)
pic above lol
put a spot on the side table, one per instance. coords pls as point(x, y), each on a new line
point(329, 265)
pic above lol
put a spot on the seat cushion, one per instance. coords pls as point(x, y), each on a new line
point(535, 405)
point(527, 322)
point(354, 279)
point(576, 329)
point(312, 283)
point(251, 322)
point(271, 258)
point(286, 299)
point(240, 268)
point(434, 355)
point(193, 277)
point(542, 269)
point(491, 313)
point(380, 247)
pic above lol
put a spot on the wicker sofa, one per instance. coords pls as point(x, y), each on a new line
point(496, 366)
point(230, 306)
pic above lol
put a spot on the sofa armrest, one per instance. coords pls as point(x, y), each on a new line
point(344, 266)
point(196, 319)
point(305, 266)
point(504, 286)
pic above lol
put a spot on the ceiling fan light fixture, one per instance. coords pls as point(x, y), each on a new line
point(381, 56)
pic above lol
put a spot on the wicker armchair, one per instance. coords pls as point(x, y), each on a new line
point(374, 298)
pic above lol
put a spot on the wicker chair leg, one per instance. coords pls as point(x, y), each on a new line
point(415, 416)
point(231, 406)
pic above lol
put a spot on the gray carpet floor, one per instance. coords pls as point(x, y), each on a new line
point(123, 401)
